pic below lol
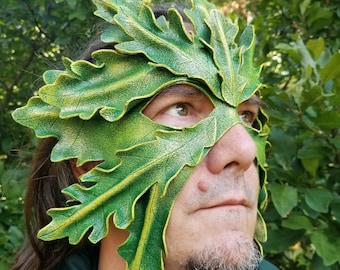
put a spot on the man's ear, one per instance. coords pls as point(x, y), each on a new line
point(78, 171)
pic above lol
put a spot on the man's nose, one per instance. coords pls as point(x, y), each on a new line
point(235, 148)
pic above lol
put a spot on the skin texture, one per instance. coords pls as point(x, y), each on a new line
point(218, 201)
point(217, 206)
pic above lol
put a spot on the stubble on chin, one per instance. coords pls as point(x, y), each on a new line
point(237, 253)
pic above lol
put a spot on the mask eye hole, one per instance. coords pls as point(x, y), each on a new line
point(179, 106)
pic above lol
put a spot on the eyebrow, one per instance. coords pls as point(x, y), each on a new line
point(192, 91)
point(255, 100)
point(183, 91)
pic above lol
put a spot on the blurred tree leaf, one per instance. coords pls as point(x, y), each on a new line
point(318, 199)
point(284, 198)
point(297, 221)
point(328, 249)
point(332, 69)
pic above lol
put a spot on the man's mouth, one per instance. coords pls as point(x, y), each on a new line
point(230, 202)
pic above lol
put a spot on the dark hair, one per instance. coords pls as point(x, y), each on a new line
point(45, 182)
point(162, 9)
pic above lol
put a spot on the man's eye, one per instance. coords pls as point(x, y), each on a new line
point(179, 106)
point(179, 109)
point(247, 117)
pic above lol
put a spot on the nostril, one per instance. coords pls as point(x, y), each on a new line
point(231, 164)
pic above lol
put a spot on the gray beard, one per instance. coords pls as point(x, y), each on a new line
point(222, 259)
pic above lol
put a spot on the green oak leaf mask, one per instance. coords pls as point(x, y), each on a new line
point(95, 110)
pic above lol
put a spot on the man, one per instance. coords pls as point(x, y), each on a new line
point(166, 136)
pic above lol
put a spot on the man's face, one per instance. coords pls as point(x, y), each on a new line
point(215, 213)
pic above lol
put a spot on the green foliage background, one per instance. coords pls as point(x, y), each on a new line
point(298, 42)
